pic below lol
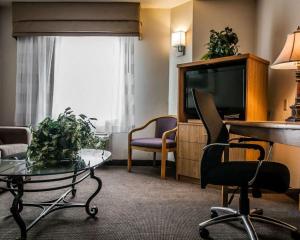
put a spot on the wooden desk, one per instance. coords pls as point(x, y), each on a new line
point(278, 132)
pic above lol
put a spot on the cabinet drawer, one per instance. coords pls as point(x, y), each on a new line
point(192, 151)
point(189, 168)
point(192, 133)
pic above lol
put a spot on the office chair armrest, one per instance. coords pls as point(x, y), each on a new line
point(256, 173)
point(241, 145)
point(215, 144)
point(249, 139)
point(250, 146)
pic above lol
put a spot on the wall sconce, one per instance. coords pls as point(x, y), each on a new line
point(178, 41)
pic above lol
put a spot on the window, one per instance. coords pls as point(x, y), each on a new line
point(94, 76)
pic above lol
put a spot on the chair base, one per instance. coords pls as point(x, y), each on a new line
point(233, 215)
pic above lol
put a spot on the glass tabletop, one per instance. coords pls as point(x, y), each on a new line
point(88, 158)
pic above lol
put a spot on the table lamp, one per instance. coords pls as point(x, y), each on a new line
point(289, 58)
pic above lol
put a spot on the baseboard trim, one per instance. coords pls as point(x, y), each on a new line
point(123, 162)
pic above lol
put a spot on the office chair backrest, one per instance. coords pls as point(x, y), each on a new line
point(216, 131)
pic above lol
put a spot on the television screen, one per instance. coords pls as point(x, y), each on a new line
point(226, 84)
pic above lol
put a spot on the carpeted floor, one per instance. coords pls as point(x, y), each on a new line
point(140, 206)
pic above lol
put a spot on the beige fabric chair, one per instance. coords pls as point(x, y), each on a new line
point(13, 140)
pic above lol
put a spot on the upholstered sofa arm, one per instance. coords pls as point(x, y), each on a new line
point(13, 135)
point(12, 149)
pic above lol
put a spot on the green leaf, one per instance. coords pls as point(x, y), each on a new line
point(62, 138)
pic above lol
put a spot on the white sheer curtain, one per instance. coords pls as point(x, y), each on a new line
point(95, 76)
point(34, 80)
point(123, 111)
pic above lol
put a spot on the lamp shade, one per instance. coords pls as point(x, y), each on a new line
point(290, 54)
point(178, 39)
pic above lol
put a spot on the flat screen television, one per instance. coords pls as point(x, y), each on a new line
point(227, 84)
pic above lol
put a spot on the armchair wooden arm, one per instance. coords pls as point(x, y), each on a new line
point(163, 149)
point(145, 125)
point(165, 135)
point(140, 128)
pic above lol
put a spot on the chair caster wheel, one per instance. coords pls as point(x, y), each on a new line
point(213, 214)
point(257, 211)
point(204, 233)
point(295, 235)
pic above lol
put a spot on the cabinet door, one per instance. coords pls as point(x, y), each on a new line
point(192, 151)
point(193, 133)
point(192, 137)
point(188, 168)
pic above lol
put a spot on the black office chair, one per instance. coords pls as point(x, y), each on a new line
point(243, 174)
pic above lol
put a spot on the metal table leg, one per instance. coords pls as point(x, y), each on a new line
point(15, 185)
point(92, 211)
point(17, 205)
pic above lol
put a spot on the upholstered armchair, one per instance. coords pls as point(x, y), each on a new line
point(164, 140)
point(13, 140)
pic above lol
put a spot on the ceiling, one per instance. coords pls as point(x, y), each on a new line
point(144, 3)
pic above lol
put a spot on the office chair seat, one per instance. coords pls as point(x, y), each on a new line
point(271, 176)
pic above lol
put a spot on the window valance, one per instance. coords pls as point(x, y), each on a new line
point(76, 18)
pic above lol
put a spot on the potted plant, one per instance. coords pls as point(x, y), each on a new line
point(61, 139)
point(221, 44)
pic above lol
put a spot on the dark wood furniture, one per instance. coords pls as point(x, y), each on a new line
point(192, 134)
point(279, 132)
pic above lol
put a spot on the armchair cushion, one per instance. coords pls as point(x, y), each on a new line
point(10, 149)
point(152, 142)
point(165, 124)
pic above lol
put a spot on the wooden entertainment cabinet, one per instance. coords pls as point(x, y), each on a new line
point(192, 136)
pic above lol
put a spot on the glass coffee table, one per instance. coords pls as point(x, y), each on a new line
point(21, 177)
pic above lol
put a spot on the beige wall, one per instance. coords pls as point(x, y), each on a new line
point(181, 20)
point(7, 68)
point(217, 14)
point(275, 19)
point(151, 73)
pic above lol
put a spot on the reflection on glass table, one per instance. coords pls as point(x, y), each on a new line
point(21, 176)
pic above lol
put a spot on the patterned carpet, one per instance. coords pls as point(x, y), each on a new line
point(140, 206)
